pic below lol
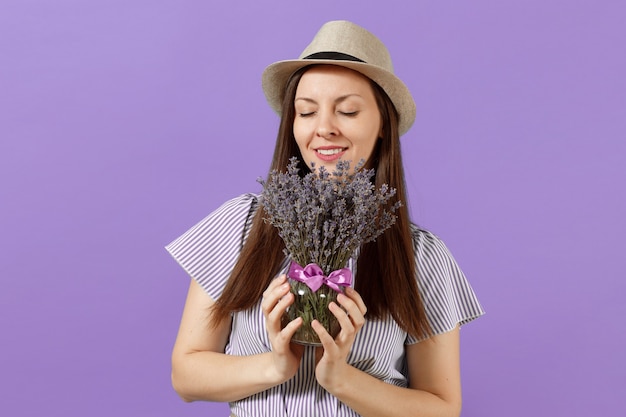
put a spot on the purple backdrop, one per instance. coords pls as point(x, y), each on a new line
point(122, 123)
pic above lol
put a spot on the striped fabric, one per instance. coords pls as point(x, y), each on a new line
point(208, 252)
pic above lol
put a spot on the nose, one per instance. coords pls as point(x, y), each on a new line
point(326, 127)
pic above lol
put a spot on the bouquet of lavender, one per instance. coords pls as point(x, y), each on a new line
point(323, 219)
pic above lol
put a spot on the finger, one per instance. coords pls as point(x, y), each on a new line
point(352, 310)
point(328, 343)
point(356, 297)
point(344, 318)
point(276, 282)
point(281, 343)
point(278, 310)
point(284, 337)
point(272, 296)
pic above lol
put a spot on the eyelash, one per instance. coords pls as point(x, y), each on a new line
point(347, 114)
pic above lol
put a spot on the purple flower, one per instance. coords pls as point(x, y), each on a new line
point(325, 217)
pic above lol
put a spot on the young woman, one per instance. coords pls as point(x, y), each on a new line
point(397, 353)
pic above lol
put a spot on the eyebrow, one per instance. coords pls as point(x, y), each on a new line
point(337, 100)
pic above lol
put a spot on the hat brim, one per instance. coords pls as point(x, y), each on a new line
point(276, 75)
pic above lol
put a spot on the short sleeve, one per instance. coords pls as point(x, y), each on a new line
point(448, 298)
point(209, 250)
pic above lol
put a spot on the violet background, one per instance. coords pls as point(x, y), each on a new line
point(123, 123)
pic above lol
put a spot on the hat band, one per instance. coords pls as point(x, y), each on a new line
point(336, 56)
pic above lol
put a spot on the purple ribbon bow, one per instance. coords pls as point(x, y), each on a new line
point(313, 276)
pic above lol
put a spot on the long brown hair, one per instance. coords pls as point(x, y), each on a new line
point(386, 270)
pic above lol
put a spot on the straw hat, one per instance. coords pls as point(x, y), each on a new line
point(348, 45)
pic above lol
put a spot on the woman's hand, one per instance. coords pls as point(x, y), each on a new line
point(286, 355)
point(332, 365)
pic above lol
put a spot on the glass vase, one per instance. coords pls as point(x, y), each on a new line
point(311, 305)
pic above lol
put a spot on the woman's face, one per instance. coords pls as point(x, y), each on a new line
point(336, 117)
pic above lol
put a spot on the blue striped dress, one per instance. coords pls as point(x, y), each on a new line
point(208, 251)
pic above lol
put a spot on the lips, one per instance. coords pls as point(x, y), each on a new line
point(329, 153)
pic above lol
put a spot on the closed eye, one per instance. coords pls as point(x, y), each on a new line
point(349, 114)
point(309, 114)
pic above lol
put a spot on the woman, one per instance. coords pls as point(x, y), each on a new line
point(398, 349)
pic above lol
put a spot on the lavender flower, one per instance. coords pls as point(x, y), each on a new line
point(324, 217)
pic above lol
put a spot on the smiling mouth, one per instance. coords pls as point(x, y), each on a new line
point(330, 152)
